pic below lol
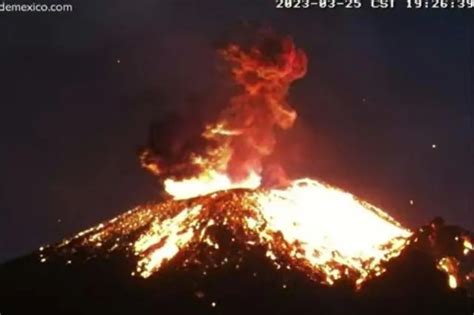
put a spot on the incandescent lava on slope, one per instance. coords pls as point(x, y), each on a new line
point(299, 224)
point(320, 230)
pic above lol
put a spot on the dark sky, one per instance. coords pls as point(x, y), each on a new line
point(381, 89)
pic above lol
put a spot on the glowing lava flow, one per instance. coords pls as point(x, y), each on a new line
point(451, 265)
point(322, 231)
point(322, 228)
point(332, 228)
point(326, 233)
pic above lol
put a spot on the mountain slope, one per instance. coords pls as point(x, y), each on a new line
point(223, 268)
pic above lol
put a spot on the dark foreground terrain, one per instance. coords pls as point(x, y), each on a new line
point(104, 285)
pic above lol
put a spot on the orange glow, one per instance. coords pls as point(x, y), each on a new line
point(306, 225)
point(243, 134)
point(318, 229)
point(332, 228)
point(467, 246)
point(208, 182)
point(450, 266)
point(323, 228)
point(452, 282)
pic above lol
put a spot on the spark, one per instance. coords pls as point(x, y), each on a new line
point(468, 247)
point(452, 282)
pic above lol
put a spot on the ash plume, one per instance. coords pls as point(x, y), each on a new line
point(236, 144)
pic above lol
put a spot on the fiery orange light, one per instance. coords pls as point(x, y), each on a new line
point(327, 233)
point(450, 266)
point(309, 215)
point(206, 183)
point(306, 225)
point(243, 135)
point(322, 228)
point(467, 246)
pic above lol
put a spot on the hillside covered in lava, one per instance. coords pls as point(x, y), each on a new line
point(236, 234)
point(96, 272)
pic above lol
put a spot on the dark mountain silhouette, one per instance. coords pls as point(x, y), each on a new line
point(101, 283)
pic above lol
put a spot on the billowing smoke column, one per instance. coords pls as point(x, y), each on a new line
point(243, 135)
point(265, 72)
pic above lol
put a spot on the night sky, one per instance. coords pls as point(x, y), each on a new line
point(385, 110)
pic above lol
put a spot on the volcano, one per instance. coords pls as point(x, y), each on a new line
point(207, 255)
point(237, 235)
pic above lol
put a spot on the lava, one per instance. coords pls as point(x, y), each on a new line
point(450, 265)
point(305, 224)
point(336, 237)
point(311, 235)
